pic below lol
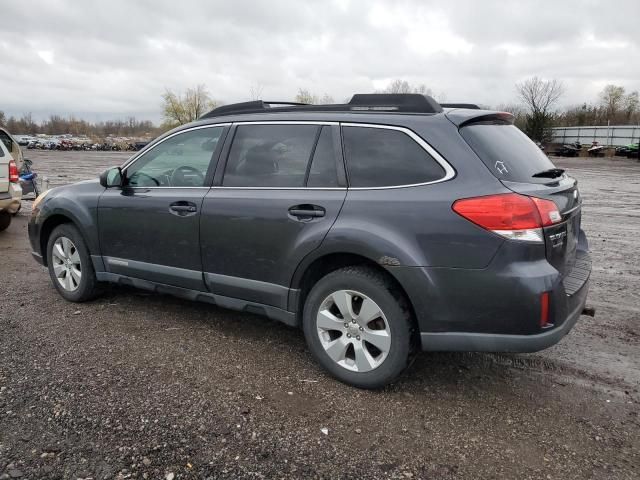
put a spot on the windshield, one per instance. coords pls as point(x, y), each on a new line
point(507, 152)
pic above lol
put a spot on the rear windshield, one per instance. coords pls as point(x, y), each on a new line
point(507, 152)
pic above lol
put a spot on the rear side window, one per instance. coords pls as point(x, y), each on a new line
point(323, 172)
point(507, 152)
point(270, 156)
point(378, 157)
point(6, 139)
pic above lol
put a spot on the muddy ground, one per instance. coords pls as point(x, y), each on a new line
point(134, 385)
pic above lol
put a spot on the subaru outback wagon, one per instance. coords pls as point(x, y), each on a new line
point(382, 226)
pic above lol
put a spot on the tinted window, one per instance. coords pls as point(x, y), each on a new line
point(180, 161)
point(323, 172)
point(270, 155)
point(507, 152)
point(379, 157)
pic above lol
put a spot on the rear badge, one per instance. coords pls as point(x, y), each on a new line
point(557, 239)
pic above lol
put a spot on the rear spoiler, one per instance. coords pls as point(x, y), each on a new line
point(471, 106)
point(461, 118)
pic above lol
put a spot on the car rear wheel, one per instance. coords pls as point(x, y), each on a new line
point(358, 327)
point(5, 220)
point(70, 265)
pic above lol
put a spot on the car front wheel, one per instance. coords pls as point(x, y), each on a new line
point(358, 327)
point(69, 264)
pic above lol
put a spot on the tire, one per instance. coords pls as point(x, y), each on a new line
point(80, 278)
point(5, 220)
point(390, 329)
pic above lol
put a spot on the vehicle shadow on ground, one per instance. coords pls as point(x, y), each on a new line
point(432, 369)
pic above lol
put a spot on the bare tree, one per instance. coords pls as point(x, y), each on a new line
point(631, 104)
point(402, 86)
point(612, 99)
point(327, 99)
point(3, 119)
point(539, 97)
point(180, 109)
point(305, 96)
point(255, 91)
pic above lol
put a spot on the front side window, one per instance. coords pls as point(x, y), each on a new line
point(270, 155)
point(180, 161)
point(380, 157)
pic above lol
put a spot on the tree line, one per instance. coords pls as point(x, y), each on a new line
point(535, 112)
point(56, 124)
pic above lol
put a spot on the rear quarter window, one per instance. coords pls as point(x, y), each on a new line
point(380, 157)
point(507, 152)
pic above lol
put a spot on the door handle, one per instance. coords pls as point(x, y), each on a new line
point(183, 209)
point(307, 211)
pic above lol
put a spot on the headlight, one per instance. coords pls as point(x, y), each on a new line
point(39, 198)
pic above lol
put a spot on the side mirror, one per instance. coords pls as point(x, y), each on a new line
point(111, 177)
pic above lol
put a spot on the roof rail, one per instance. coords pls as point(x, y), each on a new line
point(367, 102)
point(472, 106)
point(246, 107)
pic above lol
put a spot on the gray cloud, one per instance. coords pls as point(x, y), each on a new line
point(112, 59)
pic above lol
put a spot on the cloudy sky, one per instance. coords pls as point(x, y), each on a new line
point(111, 59)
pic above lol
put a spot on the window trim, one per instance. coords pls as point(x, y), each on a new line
point(449, 171)
point(142, 153)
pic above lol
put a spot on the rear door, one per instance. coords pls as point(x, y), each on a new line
point(281, 189)
point(522, 167)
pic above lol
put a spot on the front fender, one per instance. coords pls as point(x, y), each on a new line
point(78, 203)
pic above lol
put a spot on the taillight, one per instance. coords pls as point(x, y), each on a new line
point(510, 215)
point(14, 177)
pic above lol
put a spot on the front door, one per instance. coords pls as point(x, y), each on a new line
point(275, 202)
point(150, 228)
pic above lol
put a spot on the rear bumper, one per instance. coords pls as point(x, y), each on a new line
point(496, 309)
point(491, 342)
point(10, 201)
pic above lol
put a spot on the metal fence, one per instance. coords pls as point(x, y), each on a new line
point(613, 135)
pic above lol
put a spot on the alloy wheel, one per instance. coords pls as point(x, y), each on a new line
point(66, 264)
point(353, 331)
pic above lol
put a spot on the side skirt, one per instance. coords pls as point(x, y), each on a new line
point(275, 313)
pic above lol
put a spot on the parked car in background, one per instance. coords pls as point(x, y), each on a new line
point(380, 227)
point(10, 190)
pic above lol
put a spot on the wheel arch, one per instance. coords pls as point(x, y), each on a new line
point(49, 225)
point(312, 270)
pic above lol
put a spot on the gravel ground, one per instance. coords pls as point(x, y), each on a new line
point(134, 385)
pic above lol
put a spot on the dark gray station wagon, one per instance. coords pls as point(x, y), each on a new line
point(383, 226)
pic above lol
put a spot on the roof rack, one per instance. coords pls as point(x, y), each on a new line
point(363, 102)
point(472, 106)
